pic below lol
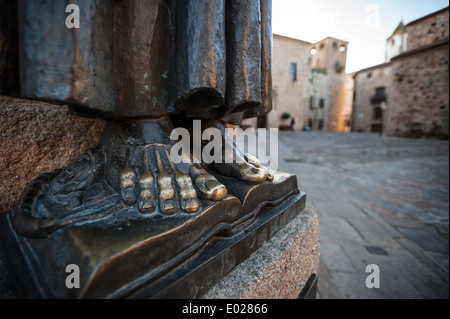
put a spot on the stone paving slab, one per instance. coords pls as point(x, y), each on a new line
point(373, 232)
point(388, 193)
point(439, 259)
point(334, 258)
point(424, 239)
point(339, 231)
point(436, 266)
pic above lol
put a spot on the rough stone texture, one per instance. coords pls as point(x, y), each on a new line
point(289, 96)
point(396, 43)
point(429, 29)
point(330, 59)
point(416, 84)
point(38, 137)
point(366, 83)
point(280, 268)
point(421, 99)
point(316, 77)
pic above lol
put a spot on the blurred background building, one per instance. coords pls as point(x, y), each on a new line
point(405, 96)
point(408, 95)
point(311, 90)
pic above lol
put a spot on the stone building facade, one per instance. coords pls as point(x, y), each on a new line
point(428, 30)
point(327, 94)
point(420, 95)
point(396, 43)
point(408, 95)
point(310, 84)
point(291, 71)
point(370, 99)
point(349, 86)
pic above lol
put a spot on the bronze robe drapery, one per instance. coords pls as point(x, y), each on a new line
point(205, 58)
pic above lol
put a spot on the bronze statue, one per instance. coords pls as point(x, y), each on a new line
point(146, 67)
point(143, 65)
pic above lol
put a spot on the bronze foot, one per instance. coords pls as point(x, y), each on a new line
point(140, 169)
point(244, 167)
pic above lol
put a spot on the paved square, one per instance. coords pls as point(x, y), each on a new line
point(370, 191)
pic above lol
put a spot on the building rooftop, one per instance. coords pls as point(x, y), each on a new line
point(294, 39)
point(331, 38)
point(422, 48)
point(309, 43)
point(382, 65)
point(400, 28)
point(427, 16)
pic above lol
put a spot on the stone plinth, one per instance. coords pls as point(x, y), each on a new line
point(280, 268)
point(38, 137)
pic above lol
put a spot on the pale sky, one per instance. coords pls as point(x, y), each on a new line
point(364, 23)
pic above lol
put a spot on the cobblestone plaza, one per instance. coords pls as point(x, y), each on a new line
point(380, 200)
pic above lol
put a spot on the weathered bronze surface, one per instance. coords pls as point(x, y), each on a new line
point(121, 251)
point(143, 64)
point(129, 217)
point(132, 163)
point(135, 222)
point(206, 59)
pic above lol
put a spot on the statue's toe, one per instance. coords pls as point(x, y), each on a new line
point(128, 186)
point(210, 188)
point(249, 172)
point(188, 195)
point(166, 190)
point(147, 194)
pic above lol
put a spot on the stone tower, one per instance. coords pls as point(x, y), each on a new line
point(396, 44)
point(327, 99)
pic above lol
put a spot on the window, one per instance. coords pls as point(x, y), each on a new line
point(322, 46)
point(293, 71)
point(342, 48)
point(338, 67)
point(377, 113)
point(311, 102)
point(369, 75)
point(379, 96)
point(322, 103)
point(379, 91)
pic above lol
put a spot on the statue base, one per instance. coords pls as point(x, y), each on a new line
point(129, 255)
point(284, 267)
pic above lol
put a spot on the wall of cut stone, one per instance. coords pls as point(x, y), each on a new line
point(314, 114)
point(421, 98)
point(36, 138)
point(416, 83)
point(365, 84)
point(331, 60)
point(396, 45)
point(427, 30)
point(289, 96)
point(348, 101)
point(336, 103)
